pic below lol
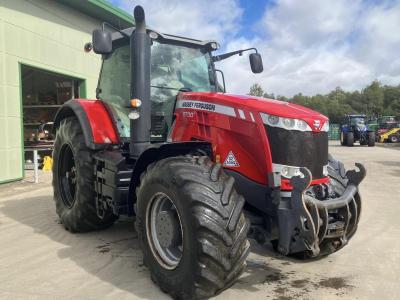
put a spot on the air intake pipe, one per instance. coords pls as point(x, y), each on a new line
point(140, 44)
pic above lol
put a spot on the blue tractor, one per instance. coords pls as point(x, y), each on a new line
point(353, 129)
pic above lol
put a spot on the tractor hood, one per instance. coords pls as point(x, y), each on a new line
point(257, 105)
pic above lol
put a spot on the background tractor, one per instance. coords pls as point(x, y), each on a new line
point(391, 134)
point(389, 130)
point(353, 129)
point(198, 168)
point(383, 122)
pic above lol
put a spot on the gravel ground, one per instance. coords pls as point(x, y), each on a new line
point(40, 260)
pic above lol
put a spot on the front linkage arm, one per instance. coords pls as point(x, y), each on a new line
point(304, 220)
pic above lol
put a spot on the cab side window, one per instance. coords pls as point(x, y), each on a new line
point(115, 87)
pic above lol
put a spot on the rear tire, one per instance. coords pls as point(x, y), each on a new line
point(73, 180)
point(214, 243)
point(350, 139)
point(371, 139)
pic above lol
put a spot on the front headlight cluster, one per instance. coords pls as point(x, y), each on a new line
point(288, 123)
point(287, 171)
point(285, 123)
point(325, 127)
point(290, 171)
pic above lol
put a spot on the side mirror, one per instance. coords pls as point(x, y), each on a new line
point(256, 63)
point(102, 41)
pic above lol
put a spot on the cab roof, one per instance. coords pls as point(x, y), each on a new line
point(167, 37)
point(356, 116)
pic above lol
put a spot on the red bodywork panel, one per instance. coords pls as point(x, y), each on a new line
point(102, 126)
point(233, 123)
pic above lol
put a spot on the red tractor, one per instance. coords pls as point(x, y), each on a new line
point(200, 169)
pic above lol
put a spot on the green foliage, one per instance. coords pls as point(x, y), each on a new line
point(256, 90)
point(375, 100)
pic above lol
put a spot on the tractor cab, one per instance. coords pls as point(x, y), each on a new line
point(177, 64)
point(174, 66)
point(355, 121)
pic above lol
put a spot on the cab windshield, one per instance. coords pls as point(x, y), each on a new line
point(173, 67)
point(177, 67)
point(357, 121)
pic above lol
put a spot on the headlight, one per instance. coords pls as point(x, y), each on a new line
point(325, 127)
point(291, 171)
point(273, 119)
point(325, 170)
point(285, 123)
point(288, 123)
point(287, 171)
point(302, 125)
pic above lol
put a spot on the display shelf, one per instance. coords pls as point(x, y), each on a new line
point(32, 123)
point(42, 106)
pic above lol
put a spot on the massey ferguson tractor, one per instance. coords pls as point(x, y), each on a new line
point(201, 170)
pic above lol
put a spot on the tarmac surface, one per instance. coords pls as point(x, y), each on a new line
point(41, 260)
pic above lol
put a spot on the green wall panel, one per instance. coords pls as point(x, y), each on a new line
point(46, 35)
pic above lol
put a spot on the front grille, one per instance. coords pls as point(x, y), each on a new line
point(298, 148)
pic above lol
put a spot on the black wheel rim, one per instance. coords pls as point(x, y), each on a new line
point(67, 175)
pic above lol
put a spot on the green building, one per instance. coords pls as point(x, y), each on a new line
point(42, 65)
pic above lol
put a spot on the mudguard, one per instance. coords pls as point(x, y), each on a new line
point(95, 121)
point(160, 151)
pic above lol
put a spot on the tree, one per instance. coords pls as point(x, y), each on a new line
point(374, 96)
point(374, 100)
point(269, 96)
point(256, 90)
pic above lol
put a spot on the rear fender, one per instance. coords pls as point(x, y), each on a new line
point(96, 123)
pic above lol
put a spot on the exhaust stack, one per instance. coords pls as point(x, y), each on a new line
point(140, 84)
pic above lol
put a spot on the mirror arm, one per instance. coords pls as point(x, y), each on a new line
point(229, 54)
point(103, 25)
point(223, 79)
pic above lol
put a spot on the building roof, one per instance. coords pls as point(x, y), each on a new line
point(102, 10)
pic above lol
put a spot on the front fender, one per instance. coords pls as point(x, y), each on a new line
point(160, 151)
point(96, 123)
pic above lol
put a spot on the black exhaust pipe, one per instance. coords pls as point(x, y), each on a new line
point(140, 84)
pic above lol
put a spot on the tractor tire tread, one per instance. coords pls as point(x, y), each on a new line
point(221, 228)
point(82, 216)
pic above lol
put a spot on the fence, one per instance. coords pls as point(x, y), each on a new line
point(334, 132)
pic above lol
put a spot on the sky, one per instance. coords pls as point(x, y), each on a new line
point(308, 46)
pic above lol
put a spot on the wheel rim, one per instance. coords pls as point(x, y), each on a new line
point(164, 231)
point(67, 175)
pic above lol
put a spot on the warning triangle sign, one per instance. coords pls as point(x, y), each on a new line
point(231, 161)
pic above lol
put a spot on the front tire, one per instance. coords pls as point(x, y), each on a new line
point(343, 139)
point(199, 245)
point(394, 138)
point(350, 139)
point(338, 182)
point(73, 180)
point(371, 139)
